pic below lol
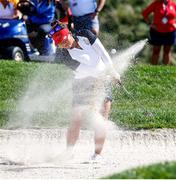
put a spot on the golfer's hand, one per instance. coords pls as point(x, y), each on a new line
point(116, 81)
point(116, 78)
point(113, 76)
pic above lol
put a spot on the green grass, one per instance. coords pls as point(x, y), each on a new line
point(15, 78)
point(153, 95)
point(12, 79)
point(165, 170)
point(153, 88)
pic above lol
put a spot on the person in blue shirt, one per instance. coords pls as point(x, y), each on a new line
point(39, 21)
point(85, 13)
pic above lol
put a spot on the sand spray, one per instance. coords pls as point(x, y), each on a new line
point(48, 94)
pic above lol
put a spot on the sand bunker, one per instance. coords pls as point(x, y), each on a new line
point(24, 154)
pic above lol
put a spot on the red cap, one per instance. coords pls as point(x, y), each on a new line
point(59, 36)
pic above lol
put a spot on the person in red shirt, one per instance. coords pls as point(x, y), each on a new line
point(162, 28)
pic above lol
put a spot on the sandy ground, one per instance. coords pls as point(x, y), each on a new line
point(40, 153)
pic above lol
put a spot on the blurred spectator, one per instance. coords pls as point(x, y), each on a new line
point(60, 11)
point(8, 9)
point(39, 22)
point(162, 28)
point(85, 14)
point(15, 2)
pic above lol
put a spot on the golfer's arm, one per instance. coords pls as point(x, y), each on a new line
point(101, 51)
point(97, 46)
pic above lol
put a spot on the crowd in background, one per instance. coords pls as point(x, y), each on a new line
point(162, 28)
point(39, 14)
point(8, 9)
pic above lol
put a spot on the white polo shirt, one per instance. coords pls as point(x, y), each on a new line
point(7, 12)
point(82, 7)
point(91, 64)
point(92, 60)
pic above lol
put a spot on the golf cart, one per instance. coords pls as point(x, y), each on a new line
point(15, 42)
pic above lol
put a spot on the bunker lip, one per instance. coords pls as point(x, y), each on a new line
point(123, 149)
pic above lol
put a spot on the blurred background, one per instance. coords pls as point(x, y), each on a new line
point(121, 23)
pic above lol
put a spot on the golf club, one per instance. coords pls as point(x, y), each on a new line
point(145, 112)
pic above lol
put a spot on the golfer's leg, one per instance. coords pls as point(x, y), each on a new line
point(74, 129)
point(106, 109)
point(100, 134)
point(99, 142)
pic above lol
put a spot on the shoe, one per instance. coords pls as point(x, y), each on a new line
point(96, 158)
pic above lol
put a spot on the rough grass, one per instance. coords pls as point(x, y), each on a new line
point(151, 103)
point(15, 78)
point(157, 171)
point(151, 100)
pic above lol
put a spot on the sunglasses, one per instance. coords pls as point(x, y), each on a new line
point(55, 29)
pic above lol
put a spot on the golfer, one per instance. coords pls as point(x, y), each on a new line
point(87, 57)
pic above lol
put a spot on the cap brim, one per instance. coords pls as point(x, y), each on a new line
point(60, 36)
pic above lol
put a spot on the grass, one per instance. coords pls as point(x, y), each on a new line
point(157, 171)
point(151, 101)
point(15, 78)
point(153, 88)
